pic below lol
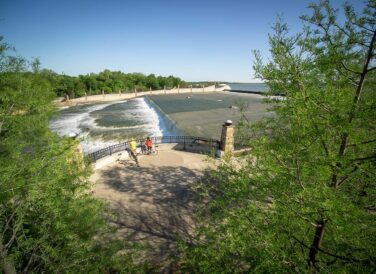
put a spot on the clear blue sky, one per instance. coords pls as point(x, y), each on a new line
point(195, 40)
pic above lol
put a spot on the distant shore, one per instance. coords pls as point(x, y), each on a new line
point(126, 96)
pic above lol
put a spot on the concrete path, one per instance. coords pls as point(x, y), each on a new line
point(153, 203)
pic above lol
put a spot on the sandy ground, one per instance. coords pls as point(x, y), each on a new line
point(153, 203)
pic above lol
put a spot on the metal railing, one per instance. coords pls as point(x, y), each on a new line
point(185, 140)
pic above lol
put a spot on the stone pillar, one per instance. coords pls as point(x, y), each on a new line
point(178, 89)
point(85, 96)
point(103, 93)
point(203, 89)
point(191, 89)
point(164, 89)
point(227, 137)
point(119, 92)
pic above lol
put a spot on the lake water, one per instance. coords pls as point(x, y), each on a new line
point(255, 87)
point(103, 124)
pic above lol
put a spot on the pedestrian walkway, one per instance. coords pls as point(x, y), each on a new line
point(153, 203)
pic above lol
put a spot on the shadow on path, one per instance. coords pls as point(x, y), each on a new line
point(152, 205)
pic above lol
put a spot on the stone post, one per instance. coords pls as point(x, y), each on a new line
point(191, 89)
point(227, 137)
point(119, 92)
point(85, 96)
point(203, 89)
point(164, 89)
point(178, 89)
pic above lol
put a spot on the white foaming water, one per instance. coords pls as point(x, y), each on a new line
point(82, 121)
point(151, 117)
point(70, 122)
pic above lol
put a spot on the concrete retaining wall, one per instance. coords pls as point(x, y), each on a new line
point(124, 96)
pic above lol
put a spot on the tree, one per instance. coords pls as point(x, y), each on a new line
point(152, 82)
point(49, 221)
point(305, 200)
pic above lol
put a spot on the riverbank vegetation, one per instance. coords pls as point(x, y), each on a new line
point(107, 82)
point(49, 221)
point(93, 83)
point(305, 199)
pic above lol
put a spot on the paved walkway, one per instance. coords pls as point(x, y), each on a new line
point(153, 203)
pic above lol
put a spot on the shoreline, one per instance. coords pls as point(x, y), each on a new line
point(113, 97)
point(126, 96)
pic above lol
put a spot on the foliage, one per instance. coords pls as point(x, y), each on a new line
point(107, 81)
point(305, 200)
point(49, 221)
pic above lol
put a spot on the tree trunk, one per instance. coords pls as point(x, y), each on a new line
point(315, 246)
point(7, 265)
point(358, 93)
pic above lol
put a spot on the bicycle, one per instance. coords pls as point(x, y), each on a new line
point(145, 151)
point(132, 155)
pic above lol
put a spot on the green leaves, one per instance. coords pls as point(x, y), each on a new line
point(109, 82)
point(49, 222)
point(304, 200)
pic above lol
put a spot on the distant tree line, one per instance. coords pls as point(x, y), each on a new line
point(108, 82)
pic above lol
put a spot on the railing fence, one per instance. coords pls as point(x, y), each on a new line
point(185, 140)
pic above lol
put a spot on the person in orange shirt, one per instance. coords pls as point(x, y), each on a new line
point(149, 145)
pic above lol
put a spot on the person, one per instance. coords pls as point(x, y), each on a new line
point(149, 145)
point(132, 148)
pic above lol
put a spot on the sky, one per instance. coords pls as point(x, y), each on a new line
point(194, 40)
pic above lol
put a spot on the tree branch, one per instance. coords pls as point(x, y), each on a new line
point(298, 174)
point(361, 143)
point(365, 158)
point(349, 69)
point(371, 69)
point(346, 177)
point(333, 255)
point(358, 93)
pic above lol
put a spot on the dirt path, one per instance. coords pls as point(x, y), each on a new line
point(153, 203)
